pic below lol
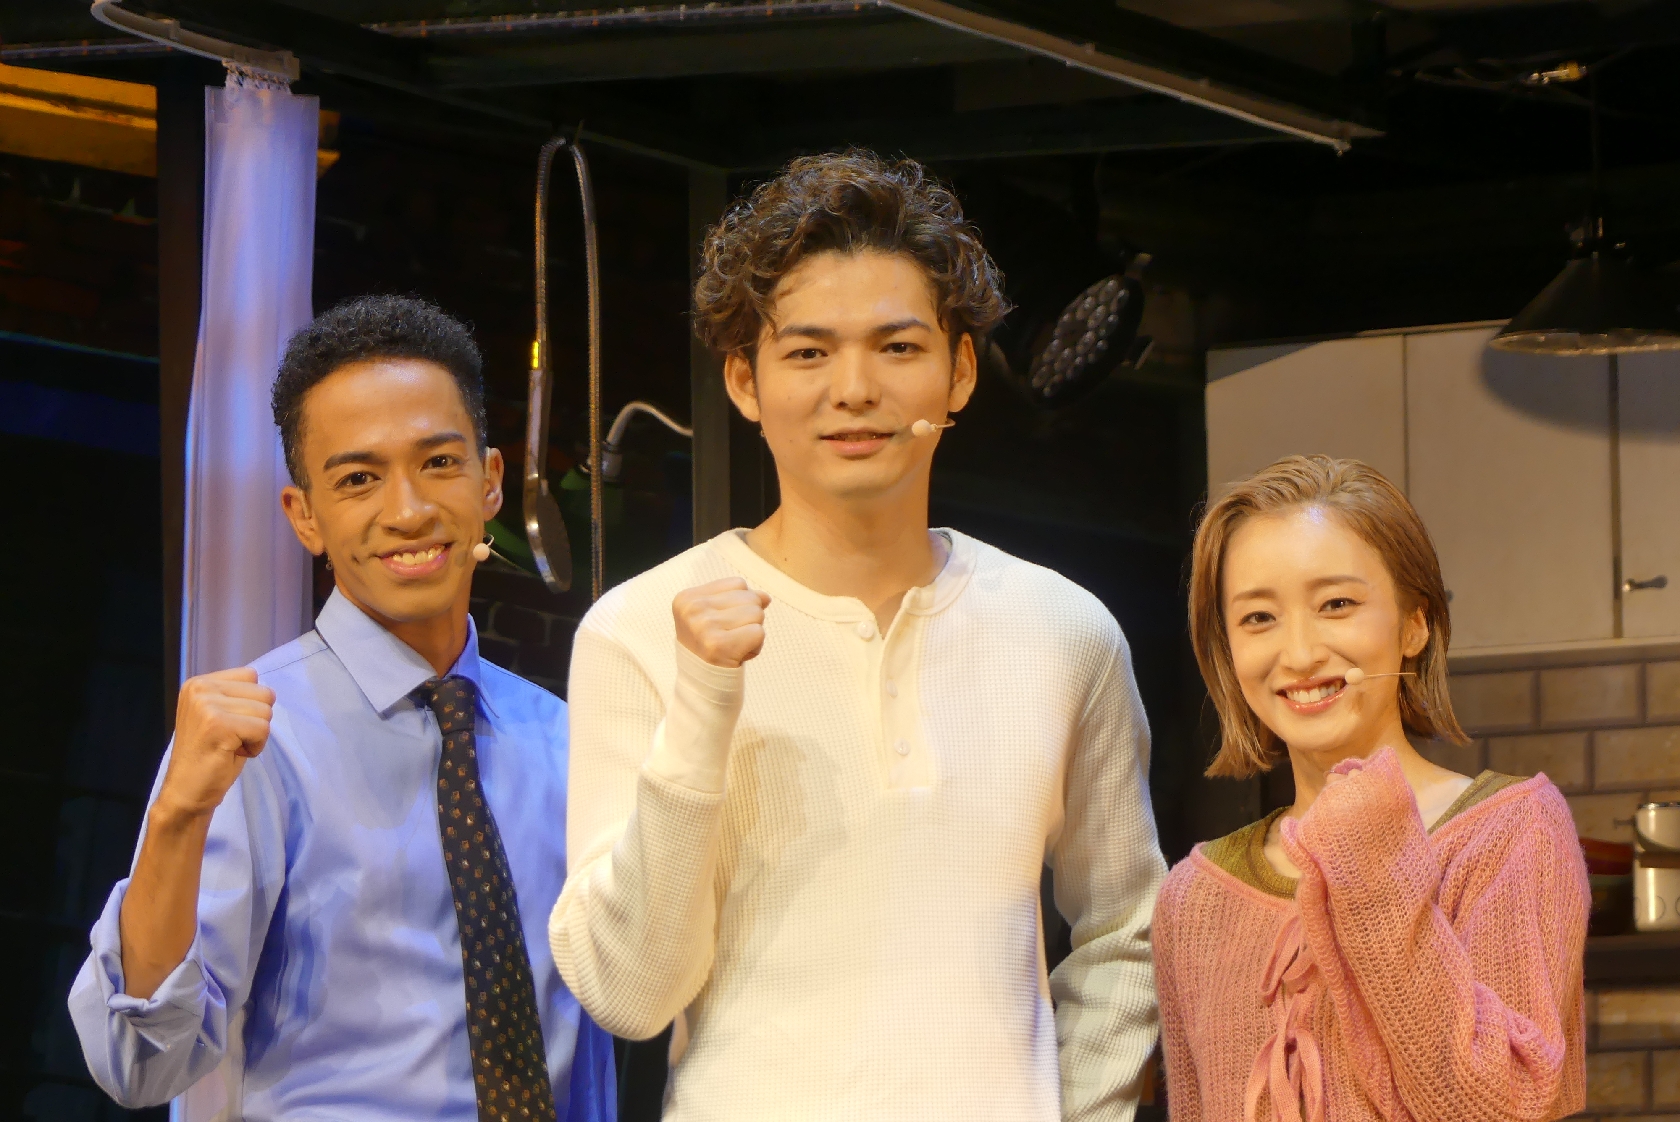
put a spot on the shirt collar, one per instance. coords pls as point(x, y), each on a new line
point(925, 600)
point(385, 668)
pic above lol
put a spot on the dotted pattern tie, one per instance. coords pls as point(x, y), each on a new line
point(510, 1067)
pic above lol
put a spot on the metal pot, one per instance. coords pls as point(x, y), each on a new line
point(1656, 870)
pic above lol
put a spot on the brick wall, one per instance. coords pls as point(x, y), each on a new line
point(524, 628)
point(1608, 734)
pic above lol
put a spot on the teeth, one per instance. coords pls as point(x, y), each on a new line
point(412, 558)
point(1308, 696)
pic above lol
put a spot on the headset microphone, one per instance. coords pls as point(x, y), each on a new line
point(1355, 675)
point(925, 427)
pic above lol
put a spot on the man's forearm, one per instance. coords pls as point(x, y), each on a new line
point(160, 910)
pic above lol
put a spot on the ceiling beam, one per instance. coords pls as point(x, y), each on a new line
point(1245, 88)
point(1155, 55)
point(873, 44)
point(1135, 124)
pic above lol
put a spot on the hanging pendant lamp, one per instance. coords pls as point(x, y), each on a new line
point(1599, 304)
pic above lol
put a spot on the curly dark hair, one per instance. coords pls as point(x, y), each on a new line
point(374, 327)
point(848, 201)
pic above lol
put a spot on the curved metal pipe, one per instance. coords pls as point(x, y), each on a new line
point(612, 458)
point(592, 258)
point(544, 528)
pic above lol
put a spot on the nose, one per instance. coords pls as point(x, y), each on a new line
point(855, 388)
point(407, 509)
point(1303, 649)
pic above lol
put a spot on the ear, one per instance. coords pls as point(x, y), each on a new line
point(494, 469)
point(294, 500)
point(742, 385)
point(964, 373)
point(1414, 633)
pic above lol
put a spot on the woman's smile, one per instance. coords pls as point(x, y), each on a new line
point(1313, 696)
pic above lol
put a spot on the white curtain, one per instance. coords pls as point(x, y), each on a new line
point(246, 587)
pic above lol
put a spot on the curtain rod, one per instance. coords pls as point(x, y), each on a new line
point(279, 65)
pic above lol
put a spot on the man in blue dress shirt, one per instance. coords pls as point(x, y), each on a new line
point(353, 845)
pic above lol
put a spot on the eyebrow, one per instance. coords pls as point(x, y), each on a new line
point(814, 331)
point(424, 444)
point(1320, 582)
point(807, 330)
point(1341, 578)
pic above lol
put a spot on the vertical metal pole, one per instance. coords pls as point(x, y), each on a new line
point(708, 194)
point(180, 162)
point(1615, 426)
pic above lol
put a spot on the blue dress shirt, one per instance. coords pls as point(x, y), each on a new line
point(324, 910)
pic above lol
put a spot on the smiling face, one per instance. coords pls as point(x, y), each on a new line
point(397, 492)
point(854, 355)
point(1305, 599)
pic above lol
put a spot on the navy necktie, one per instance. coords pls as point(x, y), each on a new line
point(510, 1066)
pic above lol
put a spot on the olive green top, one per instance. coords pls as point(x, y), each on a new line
point(1243, 853)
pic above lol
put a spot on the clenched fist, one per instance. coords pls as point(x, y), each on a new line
point(221, 721)
point(722, 622)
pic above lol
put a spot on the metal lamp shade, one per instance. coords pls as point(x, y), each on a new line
point(1596, 306)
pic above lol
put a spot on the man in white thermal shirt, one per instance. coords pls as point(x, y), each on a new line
point(817, 767)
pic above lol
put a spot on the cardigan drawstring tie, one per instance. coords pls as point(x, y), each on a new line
point(1289, 1068)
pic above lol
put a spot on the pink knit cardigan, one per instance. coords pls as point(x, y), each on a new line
point(1412, 975)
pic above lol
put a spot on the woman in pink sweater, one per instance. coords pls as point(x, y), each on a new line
point(1402, 942)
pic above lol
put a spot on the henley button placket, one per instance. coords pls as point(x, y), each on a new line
point(892, 671)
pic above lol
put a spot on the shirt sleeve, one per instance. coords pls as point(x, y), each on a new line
point(1108, 869)
point(144, 1052)
point(635, 928)
point(1479, 1012)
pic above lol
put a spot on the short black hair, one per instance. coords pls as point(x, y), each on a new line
point(371, 327)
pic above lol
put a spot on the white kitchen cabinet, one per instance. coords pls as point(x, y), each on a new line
point(1649, 390)
point(1507, 458)
point(1342, 397)
point(1510, 469)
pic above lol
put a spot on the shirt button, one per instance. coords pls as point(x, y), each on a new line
point(892, 688)
point(902, 747)
point(865, 629)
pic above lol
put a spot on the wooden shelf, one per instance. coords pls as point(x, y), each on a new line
point(1647, 958)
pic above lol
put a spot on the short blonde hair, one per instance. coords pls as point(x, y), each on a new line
point(1370, 506)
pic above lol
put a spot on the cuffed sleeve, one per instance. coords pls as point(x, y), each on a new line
point(634, 930)
point(691, 745)
point(145, 1051)
point(165, 1020)
point(1108, 870)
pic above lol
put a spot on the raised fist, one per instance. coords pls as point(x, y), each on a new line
point(722, 622)
point(220, 722)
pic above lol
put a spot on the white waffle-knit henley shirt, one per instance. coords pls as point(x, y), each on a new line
point(825, 866)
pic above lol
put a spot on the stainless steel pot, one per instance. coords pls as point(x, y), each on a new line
point(1656, 868)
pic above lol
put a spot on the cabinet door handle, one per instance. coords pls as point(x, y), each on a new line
point(1639, 585)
